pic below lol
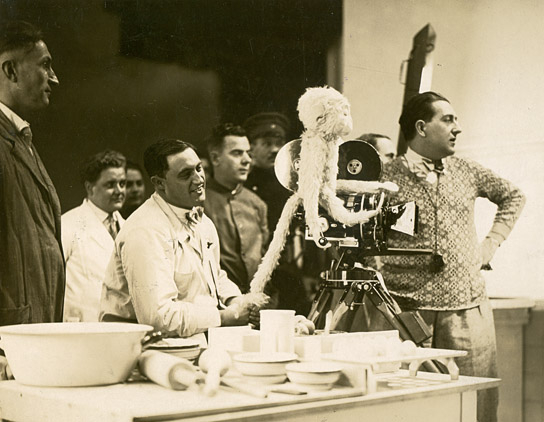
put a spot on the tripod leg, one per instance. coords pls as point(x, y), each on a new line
point(343, 306)
point(375, 297)
point(320, 302)
point(358, 295)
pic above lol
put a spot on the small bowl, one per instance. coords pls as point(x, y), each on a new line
point(180, 347)
point(263, 363)
point(264, 379)
point(316, 372)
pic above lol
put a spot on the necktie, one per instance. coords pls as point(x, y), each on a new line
point(434, 165)
point(438, 166)
point(435, 168)
point(26, 134)
point(111, 225)
point(194, 216)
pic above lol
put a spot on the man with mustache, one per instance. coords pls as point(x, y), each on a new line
point(89, 231)
point(165, 268)
point(238, 214)
point(447, 287)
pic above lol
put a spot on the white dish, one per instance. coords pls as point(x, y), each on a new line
point(316, 372)
point(312, 387)
point(263, 363)
point(189, 354)
point(72, 354)
point(175, 343)
point(421, 353)
point(263, 379)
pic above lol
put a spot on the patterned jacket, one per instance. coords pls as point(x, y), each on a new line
point(446, 225)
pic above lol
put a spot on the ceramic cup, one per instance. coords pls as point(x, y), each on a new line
point(277, 331)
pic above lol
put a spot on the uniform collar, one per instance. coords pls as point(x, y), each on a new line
point(215, 185)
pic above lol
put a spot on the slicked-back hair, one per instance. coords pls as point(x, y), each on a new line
point(419, 107)
point(156, 155)
point(219, 132)
point(18, 35)
point(372, 138)
point(94, 165)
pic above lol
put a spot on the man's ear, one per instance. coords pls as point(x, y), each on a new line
point(88, 188)
point(158, 182)
point(420, 128)
point(8, 67)
point(214, 157)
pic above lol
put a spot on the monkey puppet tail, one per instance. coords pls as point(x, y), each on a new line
point(272, 255)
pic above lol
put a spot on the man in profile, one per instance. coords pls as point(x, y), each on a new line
point(32, 266)
point(88, 233)
point(447, 287)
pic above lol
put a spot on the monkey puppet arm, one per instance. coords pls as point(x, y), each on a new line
point(358, 187)
point(336, 209)
point(272, 255)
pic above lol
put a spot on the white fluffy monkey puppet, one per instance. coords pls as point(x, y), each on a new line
point(325, 114)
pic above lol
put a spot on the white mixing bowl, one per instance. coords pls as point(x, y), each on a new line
point(72, 354)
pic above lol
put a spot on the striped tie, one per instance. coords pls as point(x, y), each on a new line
point(111, 225)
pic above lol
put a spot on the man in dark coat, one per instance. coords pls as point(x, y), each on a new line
point(31, 261)
point(268, 132)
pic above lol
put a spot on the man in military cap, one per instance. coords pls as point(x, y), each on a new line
point(267, 133)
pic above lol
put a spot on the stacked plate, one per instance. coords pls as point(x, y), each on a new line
point(313, 376)
point(263, 368)
point(181, 347)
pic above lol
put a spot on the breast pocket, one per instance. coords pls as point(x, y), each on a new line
point(183, 283)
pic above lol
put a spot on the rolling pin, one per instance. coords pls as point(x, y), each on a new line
point(169, 371)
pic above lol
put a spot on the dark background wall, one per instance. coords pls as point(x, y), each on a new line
point(132, 72)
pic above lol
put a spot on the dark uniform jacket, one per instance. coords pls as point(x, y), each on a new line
point(31, 261)
point(240, 219)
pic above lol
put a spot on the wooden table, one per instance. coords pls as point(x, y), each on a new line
point(399, 397)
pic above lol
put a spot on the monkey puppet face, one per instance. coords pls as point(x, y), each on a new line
point(325, 111)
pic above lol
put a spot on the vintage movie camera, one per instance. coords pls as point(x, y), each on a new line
point(349, 280)
point(358, 160)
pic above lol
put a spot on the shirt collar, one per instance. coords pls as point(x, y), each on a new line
point(180, 213)
point(100, 213)
point(19, 123)
point(420, 166)
point(413, 158)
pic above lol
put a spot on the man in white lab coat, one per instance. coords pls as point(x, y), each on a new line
point(165, 270)
point(88, 234)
